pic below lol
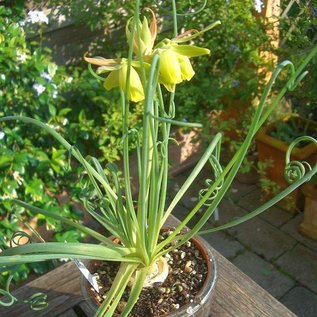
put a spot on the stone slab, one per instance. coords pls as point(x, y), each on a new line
point(291, 227)
point(191, 196)
point(264, 273)
point(181, 212)
point(224, 244)
point(238, 190)
point(228, 211)
point(274, 215)
point(301, 301)
point(301, 263)
point(263, 238)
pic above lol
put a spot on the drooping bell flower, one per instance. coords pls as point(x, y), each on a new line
point(175, 65)
point(118, 69)
point(145, 43)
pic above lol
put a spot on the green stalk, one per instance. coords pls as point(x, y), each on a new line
point(154, 183)
point(153, 194)
point(135, 291)
point(146, 156)
point(125, 127)
point(178, 123)
point(119, 284)
point(22, 259)
point(175, 27)
point(112, 252)
point(163, 177)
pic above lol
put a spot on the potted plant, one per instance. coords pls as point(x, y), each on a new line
point(309, 225)
point(272, 143)
point(141, 250)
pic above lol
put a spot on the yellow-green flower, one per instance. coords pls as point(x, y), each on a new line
point(174, 64)
point(118, 69)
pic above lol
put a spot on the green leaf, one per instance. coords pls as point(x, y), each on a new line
point(5, 161)
point(56, 250)
point(52, 67)
point(64, 111)
point(52, 110)
point(69, 236)
point(35, 188)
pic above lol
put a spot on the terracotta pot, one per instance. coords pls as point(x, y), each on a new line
point(274, 150)
point(201, 305)
point(309, 226)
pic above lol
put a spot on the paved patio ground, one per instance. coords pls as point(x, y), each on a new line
point(268, 248)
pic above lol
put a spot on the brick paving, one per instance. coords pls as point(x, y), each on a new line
point(268, 248)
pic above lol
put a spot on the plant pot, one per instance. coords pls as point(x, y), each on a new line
point(199, 307)
point(309, 226)
point(273, 150)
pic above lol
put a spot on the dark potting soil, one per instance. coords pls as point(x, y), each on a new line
point(187, 273)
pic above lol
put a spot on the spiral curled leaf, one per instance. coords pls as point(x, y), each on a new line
point(217, 169)
point(8, 299)
point(38, 301)
point(203, 191)
point(295, 170)
point(18, 239)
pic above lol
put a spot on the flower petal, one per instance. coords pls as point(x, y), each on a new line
point(105, 69)
point(170, 70)
point(186, 68)
point(190, 50)
point(169, 87)
point(136, 89)
point(101, 61)
point(153, 27)
point(112, 80)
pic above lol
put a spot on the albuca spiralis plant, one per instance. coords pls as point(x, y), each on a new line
point(143, 76)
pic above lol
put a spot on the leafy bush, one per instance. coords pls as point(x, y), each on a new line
point(298, 35)
point(231, 72)
point(32, 166)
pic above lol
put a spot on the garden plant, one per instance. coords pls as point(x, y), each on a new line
point(148, 76)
